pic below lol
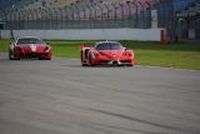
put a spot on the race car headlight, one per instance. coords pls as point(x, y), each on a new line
point(127, 54)
point(47, 49)
point(94, 55)
point(102, 54)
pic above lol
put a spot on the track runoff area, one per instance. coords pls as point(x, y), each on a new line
point(60, 96)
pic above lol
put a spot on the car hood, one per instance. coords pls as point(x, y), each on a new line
point(33, 47)
point(111, 53)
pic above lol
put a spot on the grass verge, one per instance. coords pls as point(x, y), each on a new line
point(178, 55)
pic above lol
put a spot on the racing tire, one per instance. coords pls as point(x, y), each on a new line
point(10, 55)
point(40, 58)
point(84, 65)
point(90, 60)
point(130, 65)
point(48, 59)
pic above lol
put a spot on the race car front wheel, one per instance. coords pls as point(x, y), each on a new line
point(10, 55)
point(130, 65)
point(90, 60)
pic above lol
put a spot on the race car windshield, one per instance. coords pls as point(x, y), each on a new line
point(109, 46)
point(29, 41)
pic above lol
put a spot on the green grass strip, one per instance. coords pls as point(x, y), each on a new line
point(177, 55)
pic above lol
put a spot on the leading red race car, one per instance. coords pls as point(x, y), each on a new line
point(29, 47)
point(106, 53)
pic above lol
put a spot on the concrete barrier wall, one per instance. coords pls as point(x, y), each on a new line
point(89, 34)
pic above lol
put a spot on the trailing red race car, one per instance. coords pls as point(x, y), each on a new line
point(106, 53)
point(29, 47)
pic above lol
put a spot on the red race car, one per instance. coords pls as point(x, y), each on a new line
point(106, 53)
point(29, 47)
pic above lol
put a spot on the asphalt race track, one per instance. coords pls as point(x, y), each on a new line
point(61, 97)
